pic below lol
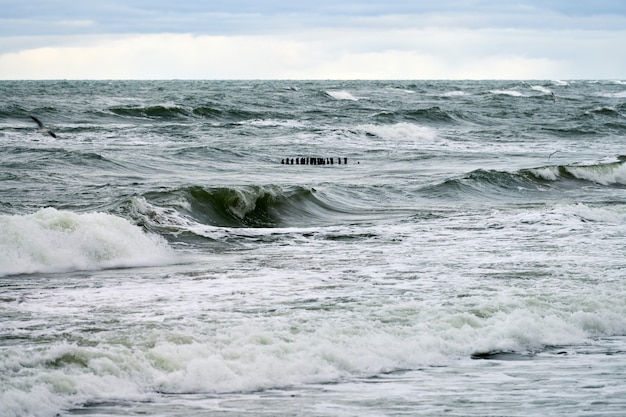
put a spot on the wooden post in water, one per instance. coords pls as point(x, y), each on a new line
point(301, 160)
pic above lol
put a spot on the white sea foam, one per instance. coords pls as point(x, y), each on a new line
point(341, 95)
point(512, 93)
point(53, 240)
point(541, 89)
point(614, 215)
point(450, 288)
point(401, 131)
point(550, 173)
point(620, 94)
point(601, 174)
point(605, 174)
point(242, 332)
point(455, 94)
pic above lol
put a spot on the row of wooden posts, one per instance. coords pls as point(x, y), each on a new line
point(313, 161)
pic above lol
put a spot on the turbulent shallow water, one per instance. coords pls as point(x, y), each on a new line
point(159, 257)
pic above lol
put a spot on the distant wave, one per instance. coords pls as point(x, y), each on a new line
point(540, 89)
point(620, 94)
point(512, 93)
point(161, 112)
point(455, 94)
point(341, 95)
point(608, 174)
point(517, 184)
point(431, 115)
point(52, 240)
point(400, 131)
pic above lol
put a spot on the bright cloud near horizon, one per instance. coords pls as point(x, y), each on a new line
point(322, 39)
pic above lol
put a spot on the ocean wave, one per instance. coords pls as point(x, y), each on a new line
point(178, 112)
point(431, 115)
point(198, 209)
point(182, 215)
point(606, 111)
point(400, 131)
point(620, 94)
point(52, 240)
point(455, 94)
point(511, 93)
point(151, 112)
point(541, 89)
point(604, 174)
point(517, 184)
point(228, 114)
point(341, 95)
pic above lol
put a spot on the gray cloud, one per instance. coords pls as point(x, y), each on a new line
point(54, 17)
point(456, 38)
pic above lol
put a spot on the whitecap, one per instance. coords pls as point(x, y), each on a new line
point(401, 131)
point(600, 174)
point(620, 94)
point(512, 93)
point(341, 95)
point(541, 89)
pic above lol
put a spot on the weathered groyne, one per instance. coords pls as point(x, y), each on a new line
point(314, 161)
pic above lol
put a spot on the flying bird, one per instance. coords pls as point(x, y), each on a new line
point(42, 128)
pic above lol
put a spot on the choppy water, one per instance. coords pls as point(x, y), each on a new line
point(156, 258)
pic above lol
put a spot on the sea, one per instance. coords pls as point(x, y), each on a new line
point(313, 248)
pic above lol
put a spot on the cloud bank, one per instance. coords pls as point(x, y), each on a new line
point(352, 40)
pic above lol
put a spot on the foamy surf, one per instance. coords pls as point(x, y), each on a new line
point(52, 240)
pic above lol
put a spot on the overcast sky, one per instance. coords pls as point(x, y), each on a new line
point(313, 39)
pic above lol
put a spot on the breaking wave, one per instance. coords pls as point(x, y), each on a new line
point(52, 240)
point(518, 184)
point(200, 210)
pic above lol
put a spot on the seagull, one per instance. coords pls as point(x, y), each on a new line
point(558, 150)
point(42, 128)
